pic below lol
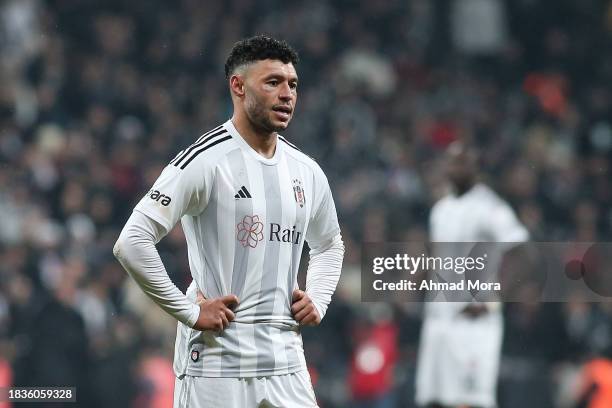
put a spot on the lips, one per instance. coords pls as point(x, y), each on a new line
point(282, 116)
point(283, 112)
point(283, 109)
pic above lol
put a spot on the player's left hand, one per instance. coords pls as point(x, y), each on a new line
point(304, 311)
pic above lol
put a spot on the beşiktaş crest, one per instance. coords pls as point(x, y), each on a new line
point(298, 193)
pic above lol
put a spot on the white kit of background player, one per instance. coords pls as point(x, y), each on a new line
point(245, 219)
point(459, 356)
point(460, 347)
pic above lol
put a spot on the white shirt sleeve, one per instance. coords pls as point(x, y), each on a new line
point(323, 225)
point(135, 250)
point(326, 246)
point(177, 192)
point(324, 268)
point(504, 225)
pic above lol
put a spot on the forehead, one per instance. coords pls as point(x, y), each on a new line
point(459, 151)
point(461, 158)
point(269, 67)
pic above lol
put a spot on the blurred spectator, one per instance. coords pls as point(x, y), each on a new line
point(156, 381)
point(371, 377)
point(597, 381)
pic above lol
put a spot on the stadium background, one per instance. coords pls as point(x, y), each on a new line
point(97, 96)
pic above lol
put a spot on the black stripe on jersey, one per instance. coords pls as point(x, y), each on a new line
point(196, 145)
point(197, 141)
point(289, 143)
point(186, 151)
point(241, 194)
point(197, 152)
point(208, 133)
point(176, 157)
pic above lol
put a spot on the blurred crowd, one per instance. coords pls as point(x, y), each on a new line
point(97, 96)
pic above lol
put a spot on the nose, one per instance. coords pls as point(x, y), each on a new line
point(285, 92)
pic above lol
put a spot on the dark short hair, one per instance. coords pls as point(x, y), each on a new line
point(257, 48)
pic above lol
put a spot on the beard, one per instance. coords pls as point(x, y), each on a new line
point(259, 115)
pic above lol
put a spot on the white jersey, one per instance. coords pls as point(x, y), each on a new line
point(245, 219)
point(479, 215)
point(458, 360)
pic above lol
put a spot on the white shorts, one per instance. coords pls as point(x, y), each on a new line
point(287, 391)
point(458, 361)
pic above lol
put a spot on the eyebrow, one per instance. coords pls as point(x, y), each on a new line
point(281, 76)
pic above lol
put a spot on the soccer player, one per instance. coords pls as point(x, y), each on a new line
point(460, 345)
point(247, 200)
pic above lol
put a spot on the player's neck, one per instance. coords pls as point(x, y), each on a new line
point(463, 188)
point(263, 142)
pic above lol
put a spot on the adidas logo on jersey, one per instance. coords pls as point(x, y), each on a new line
point(243, 193)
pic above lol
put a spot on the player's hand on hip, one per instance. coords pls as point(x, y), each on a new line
point(304, 311)
point(215, 314)
point(475, 310)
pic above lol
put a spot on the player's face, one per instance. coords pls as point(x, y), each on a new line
point(270, 94)
point(461, 167)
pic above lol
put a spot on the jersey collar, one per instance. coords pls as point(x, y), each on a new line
point(245, 146)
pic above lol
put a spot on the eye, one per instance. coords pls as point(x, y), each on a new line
point(273, 82)
point(293, 85)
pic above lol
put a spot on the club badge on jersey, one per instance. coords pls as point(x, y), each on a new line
point(298, 192)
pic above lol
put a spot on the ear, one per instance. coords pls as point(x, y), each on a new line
point(237, 85)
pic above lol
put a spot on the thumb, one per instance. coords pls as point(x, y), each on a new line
point(230, 300)
point(298, 294)
point(200, 297)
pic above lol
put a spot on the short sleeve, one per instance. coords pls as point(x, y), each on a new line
point(504, 226)
point(175, 193)
point(323, 224)
point(436, 223)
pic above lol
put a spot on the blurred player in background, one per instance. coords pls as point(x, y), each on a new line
point(247, 199)
point(460, 347)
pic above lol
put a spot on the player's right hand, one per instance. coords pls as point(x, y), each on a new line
point(215, 314)
point(475, 310)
